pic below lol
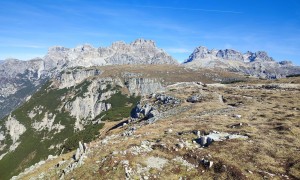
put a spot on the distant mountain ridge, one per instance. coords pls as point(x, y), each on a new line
point(202, 52)
point(138, 52)
point(258, 64)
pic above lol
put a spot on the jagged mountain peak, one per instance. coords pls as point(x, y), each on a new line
point(143, 42)
point(200, 52)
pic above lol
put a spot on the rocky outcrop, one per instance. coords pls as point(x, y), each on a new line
point(206, 140)
point(157, 107)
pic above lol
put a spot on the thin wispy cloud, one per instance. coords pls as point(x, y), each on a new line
point(190, 9)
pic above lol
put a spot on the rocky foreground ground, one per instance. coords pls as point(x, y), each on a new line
point(194, 131)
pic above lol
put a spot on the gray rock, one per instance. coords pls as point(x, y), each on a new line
point(169, 131)
point(180, 145)
point(207, 163)
point(203, 140)
point(198, 133)
point(77, 154)
point(238, 116)
point(194, 99)
point(210, 164)
point(85, 147)
point(209, 141)
point(81, 149)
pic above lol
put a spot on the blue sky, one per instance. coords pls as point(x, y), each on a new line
point(29, 27)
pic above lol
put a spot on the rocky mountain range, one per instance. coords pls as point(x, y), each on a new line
point(258, 64)
point(138, 52)
point(19, 79)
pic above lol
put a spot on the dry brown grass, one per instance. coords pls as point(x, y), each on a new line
point(271, 118)
point(170, 73)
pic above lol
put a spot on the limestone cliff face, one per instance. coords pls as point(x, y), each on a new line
point(92, 102)
point(71, 77)
point(143, 86)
